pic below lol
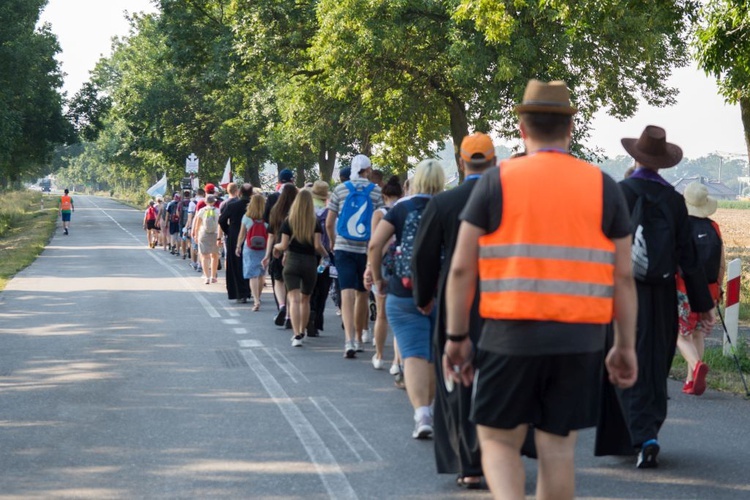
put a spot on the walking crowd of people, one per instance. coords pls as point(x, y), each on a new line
point(537, 298)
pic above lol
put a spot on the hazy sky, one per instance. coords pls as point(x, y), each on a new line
point(700, 122)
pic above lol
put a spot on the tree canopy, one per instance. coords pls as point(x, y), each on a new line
point(723, 51)
point(31, 114)
point(304, 84)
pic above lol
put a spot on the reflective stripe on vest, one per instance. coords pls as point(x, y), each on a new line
point(549, 260)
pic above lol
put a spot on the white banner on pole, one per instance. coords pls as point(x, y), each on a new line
point(191, 164)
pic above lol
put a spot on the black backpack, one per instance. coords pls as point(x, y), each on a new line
point(653, 253)
point(708, 246)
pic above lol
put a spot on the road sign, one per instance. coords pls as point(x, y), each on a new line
point(191, 164)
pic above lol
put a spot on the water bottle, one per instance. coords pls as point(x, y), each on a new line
point(323, 264)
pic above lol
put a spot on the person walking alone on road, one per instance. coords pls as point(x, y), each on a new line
point(710, 249)
point(413, 328)
point(66, 208)
point(548, 236)
point(251, 245)
point(301, 240)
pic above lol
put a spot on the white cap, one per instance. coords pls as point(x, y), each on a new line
point(359, 163)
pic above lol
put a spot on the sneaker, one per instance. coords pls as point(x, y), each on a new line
point(358, 347)
point(349, 351)
point(687, 388)
point(366, 337)
point(647, 455)
point(398, 380)
point(394, 369)
point(208, 280)
point(699, 378)
point(423, 428)
point(288, 324)
point(377, 363)
point(65, 231)
point(297, 341)
point(280, 316)
point(214, 280)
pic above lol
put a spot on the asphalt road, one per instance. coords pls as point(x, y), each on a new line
point(122, 375)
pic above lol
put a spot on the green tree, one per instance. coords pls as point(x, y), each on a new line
point(426, 69)
point(31, 116)
point(723, 51)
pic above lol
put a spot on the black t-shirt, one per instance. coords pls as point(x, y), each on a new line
point(528, 338)
point(397, 217)
point(296, 246)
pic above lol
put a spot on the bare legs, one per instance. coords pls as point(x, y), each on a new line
point(691, 347)
point(362, 314)
point(419, 376)
point(256, 287)
point(347, 312)
point(299, 310)
point(503, 468)
point(381, 326)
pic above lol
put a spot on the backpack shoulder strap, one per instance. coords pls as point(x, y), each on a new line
point(350, 186)
point(369, 188)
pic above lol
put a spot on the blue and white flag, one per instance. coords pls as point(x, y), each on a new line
point(159, 188)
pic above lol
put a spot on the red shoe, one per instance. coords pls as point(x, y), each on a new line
point(688, 388)
point(699, 378)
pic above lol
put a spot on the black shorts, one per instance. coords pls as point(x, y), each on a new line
point(300, 272)
point(276, 269)
point(151, 224)
point(557, 393)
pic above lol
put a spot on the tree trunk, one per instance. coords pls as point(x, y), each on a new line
point(326, 162)
point(459, 130)
point(299, 176)
point(745, 113)
point(252, 170)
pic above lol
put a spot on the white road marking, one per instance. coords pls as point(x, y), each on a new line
point(286, 365)
point(250, 343)
point(240, 331)
point(329, 471)
point(345, 429)
point(211, 310)
point(230, 321)
point(231, 312)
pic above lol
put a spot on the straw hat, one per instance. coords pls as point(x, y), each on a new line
point(542, 97)
point(699, 204)
point(319, 190)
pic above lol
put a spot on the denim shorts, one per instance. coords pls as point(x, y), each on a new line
point(351, 268)
point(66, 216)
point(413, 330)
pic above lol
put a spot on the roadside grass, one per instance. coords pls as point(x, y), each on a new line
point(27, 222)
point(723, 374)
point(741, 204)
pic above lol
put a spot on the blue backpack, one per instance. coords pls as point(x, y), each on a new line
point(355, 215)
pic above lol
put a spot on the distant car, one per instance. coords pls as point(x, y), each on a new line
point(46, 189)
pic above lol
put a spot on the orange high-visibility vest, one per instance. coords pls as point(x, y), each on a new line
point(65, 203)
point(549, 260)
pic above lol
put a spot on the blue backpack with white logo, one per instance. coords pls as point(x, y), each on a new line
point(355, 216)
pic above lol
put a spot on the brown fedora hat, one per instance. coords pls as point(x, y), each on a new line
point(542, 97)
point(651, 149)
